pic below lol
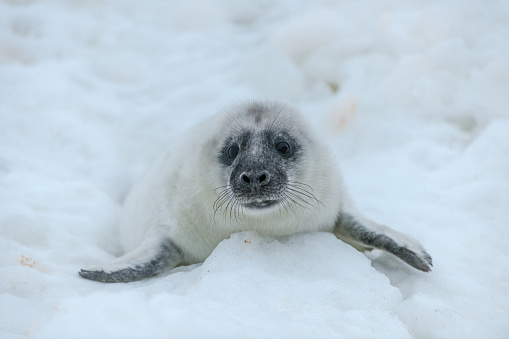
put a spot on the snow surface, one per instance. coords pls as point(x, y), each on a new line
point(412, 96)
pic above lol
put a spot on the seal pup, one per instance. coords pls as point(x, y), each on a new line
point(254, 166)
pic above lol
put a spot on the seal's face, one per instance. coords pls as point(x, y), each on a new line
point(260, 164)
point(264, 157)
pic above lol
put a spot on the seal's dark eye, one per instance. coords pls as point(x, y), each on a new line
point(283, 147)
point(233, 151)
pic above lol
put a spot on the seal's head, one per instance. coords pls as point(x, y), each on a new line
point(263, 159)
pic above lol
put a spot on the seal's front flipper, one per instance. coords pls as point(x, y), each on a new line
point(364, 235)
point(150, 259)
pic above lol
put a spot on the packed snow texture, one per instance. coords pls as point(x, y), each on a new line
point(412, 98)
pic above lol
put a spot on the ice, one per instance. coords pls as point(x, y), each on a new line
point(411, 97)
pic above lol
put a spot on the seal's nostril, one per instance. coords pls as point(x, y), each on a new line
point(245, 178)
point(264, 178)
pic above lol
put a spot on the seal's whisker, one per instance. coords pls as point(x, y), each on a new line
point(302, 184)
point(313, 199)
point(228, 203)
point(225, 186)
point(295, 196)
point(295, 202)
point(305, 193)
point(220, 200)
point(277, 115)
point(285, 198)
point(309, 194)
point(282, 122)
point(242, 128)
point(283, 203)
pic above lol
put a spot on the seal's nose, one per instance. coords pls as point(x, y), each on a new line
point(251, 180)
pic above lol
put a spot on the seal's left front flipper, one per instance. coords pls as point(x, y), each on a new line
point(150, 259)
point(363, 234)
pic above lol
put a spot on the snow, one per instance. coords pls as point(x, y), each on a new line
point(411, 96)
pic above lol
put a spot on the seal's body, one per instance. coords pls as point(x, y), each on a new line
point(253, 167)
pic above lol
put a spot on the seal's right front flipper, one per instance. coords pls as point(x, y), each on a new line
point(150, 259)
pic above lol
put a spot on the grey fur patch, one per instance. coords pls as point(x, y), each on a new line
point(257, 110)
point(369, 238)
point(168, 257)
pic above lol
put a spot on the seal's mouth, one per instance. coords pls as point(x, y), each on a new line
point(259, 203)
